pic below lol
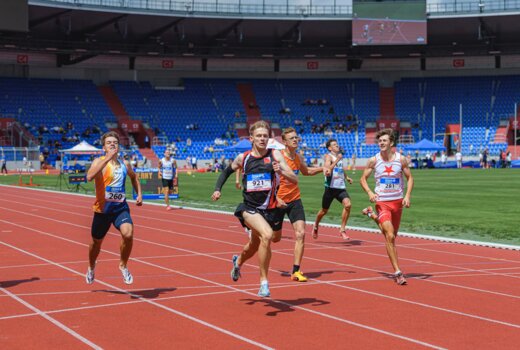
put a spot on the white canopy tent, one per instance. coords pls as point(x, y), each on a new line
point(82, 148)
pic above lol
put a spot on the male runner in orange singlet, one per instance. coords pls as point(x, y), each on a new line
point(289, 199)
point(110, 208)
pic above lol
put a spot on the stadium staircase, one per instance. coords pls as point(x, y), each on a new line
point(122, 117)
point(515, 150)
point(4, 138)
point(502, 133)
point(387, 102)
point(113, 102)
point(370, 136)
point(249, 102)
point(506, 133)
point(22, 137)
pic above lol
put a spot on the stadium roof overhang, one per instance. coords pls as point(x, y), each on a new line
point(93, 32)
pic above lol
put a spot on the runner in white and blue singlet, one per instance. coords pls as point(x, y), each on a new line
point(110, 208)
point(168, 174)
point(335, 188)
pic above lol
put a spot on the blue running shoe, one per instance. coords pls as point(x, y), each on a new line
point(264, 290)
point(235, 271)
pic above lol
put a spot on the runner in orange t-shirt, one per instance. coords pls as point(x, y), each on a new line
point(289, 198)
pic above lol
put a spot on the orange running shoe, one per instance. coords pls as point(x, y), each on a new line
point(298, 276)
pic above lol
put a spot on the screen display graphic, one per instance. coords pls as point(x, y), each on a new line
point(388, 22)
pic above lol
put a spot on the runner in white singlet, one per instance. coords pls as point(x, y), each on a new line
point(168, 174)
point(388, 167)
point(335, 188)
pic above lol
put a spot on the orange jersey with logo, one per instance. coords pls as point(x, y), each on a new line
point(110, 189)
point(288, 191)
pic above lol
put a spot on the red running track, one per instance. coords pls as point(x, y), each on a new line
point(458, 296)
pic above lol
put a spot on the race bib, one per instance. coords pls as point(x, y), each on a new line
point(167, 173)
point(115, 194)
point(338, 172)
point(258, 182)
point(338, 178)
point(390, 183)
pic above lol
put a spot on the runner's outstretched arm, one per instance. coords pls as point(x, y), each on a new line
point(308, 171)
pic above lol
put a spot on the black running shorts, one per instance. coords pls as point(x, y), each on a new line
point(167, 183)
point(294, 211)
point(274, 217)
point(333, 193)
point(101, 222)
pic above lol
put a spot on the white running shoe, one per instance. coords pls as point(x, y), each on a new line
point(264, 290)
point(127, 276)
point(399, 278)
point(89, 276)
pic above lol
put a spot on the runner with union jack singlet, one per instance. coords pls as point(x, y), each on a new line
point(388, 167)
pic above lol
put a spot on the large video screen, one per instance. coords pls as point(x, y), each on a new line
point(388, 22)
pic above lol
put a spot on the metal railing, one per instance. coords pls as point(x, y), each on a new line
point(406, 139)
point(228, 8)
point(500, 139)
point(19, 136)
point(160, 141)
point(19, 154)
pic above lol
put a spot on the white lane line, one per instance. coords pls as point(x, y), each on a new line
point(307, 258)
point(360, 325)
point(503, 323)
point(448, 284)
point(179, 313)
point(50, 319)
point(191, 217)
point(234, 244)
